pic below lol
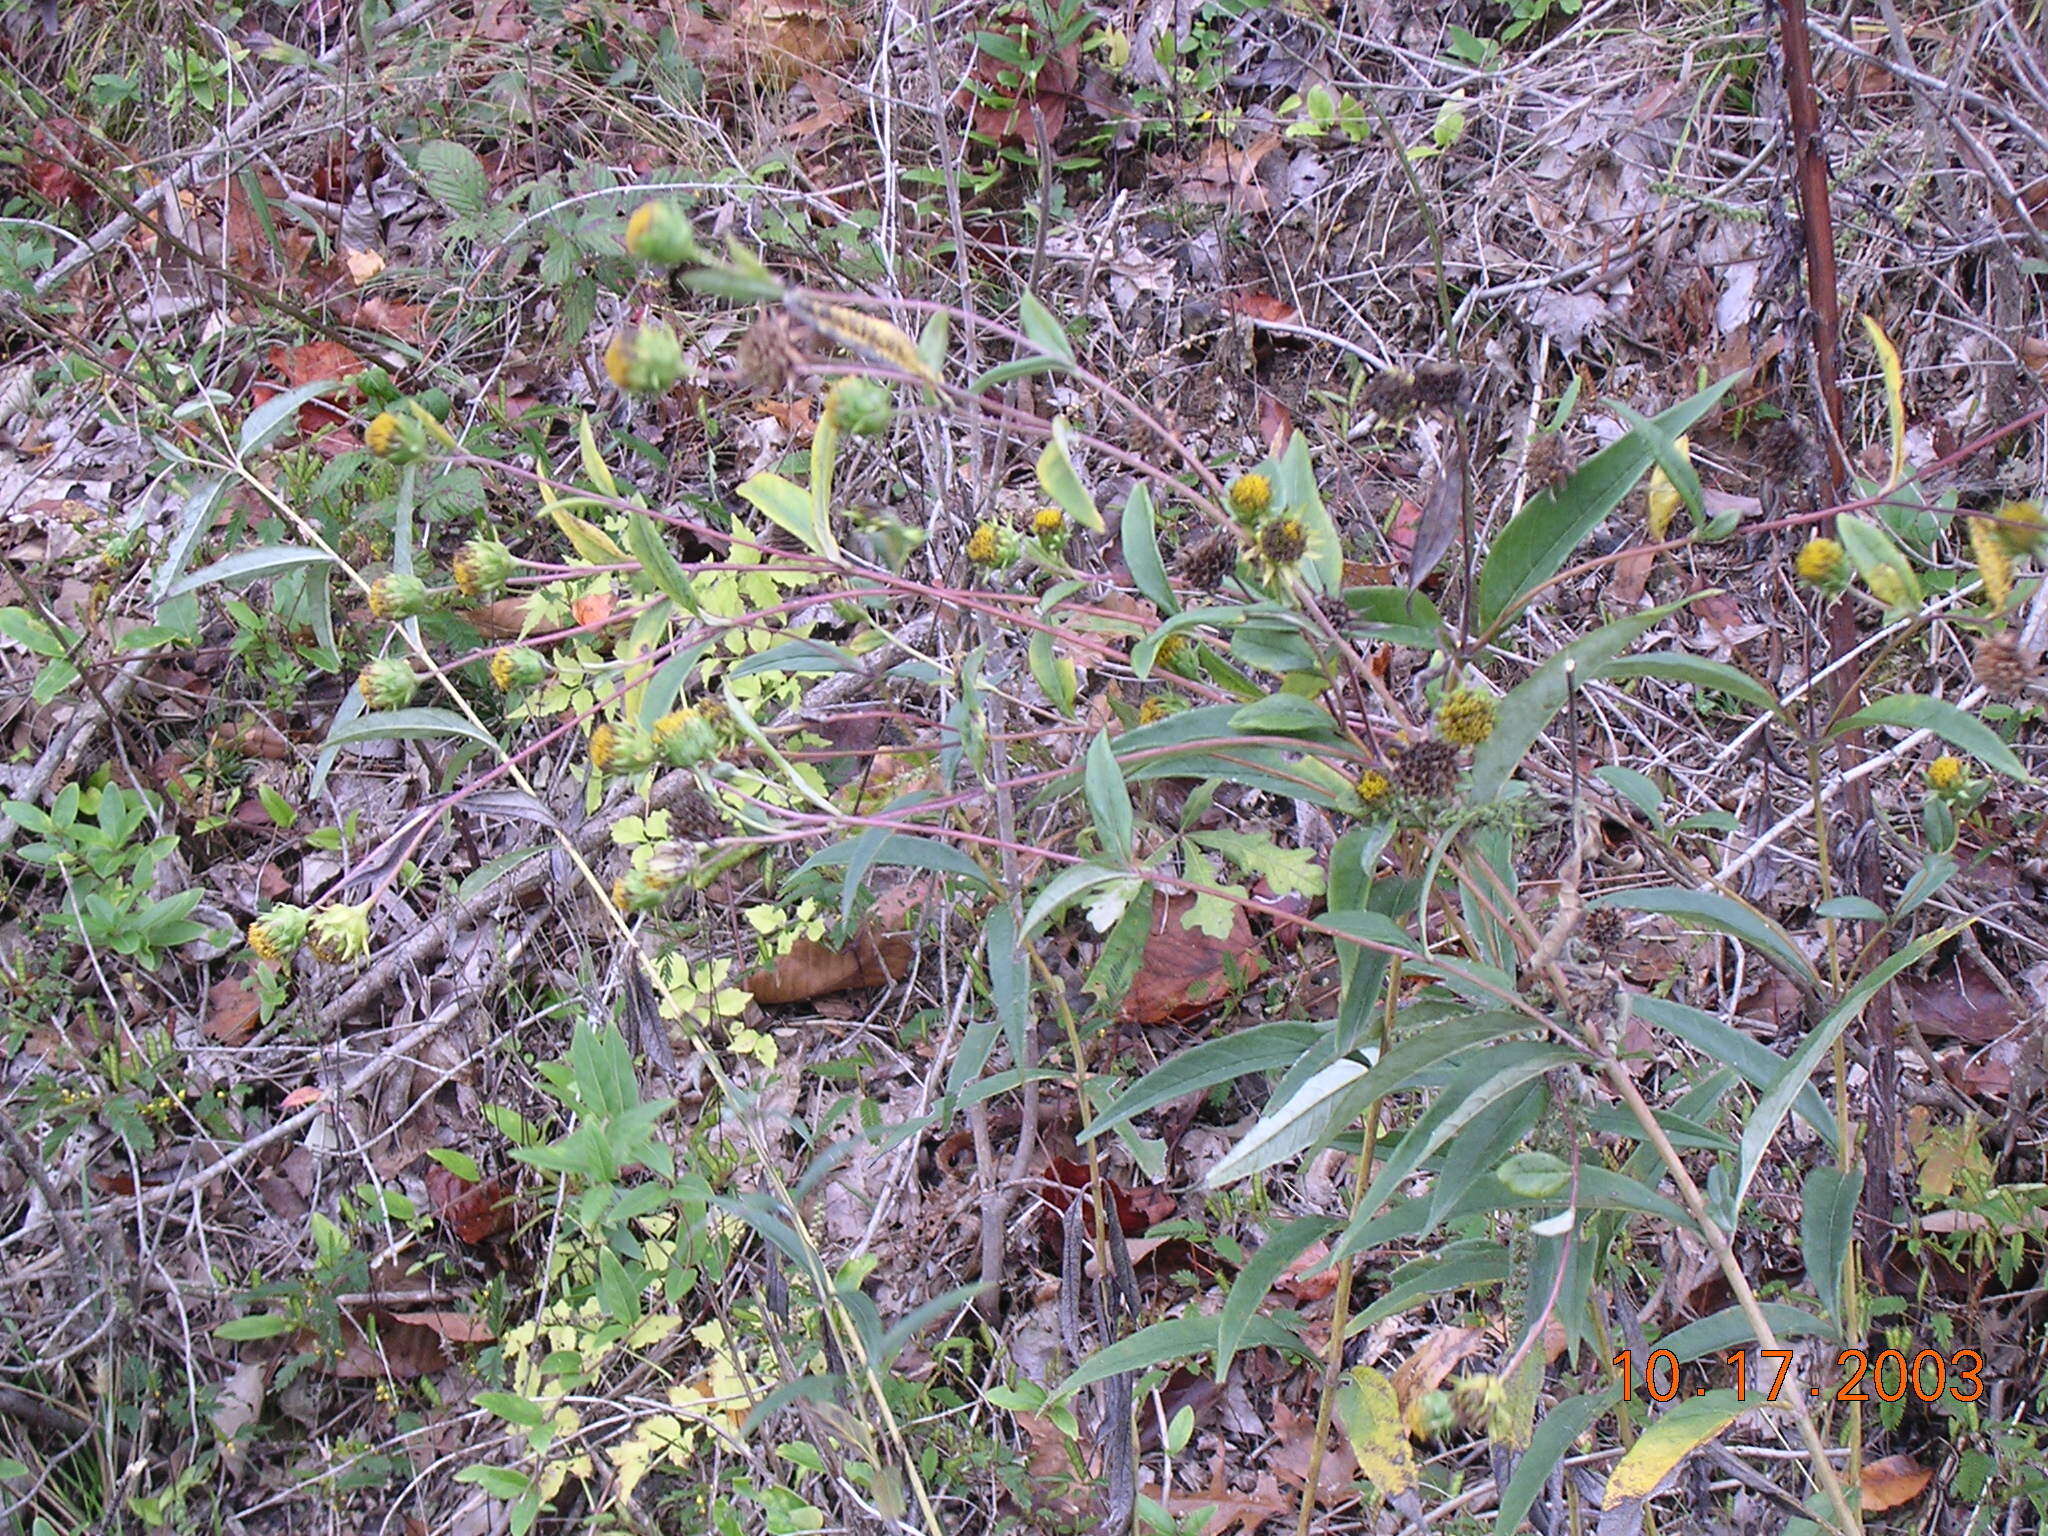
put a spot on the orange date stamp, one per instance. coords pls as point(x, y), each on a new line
point(1888, 1376)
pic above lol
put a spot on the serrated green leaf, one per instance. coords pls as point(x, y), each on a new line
point(454, 177)
point(1700, 671)
point(405, 725)
point(1827, 1231)
point(1109, 800)
point(269, 419)
point(1140, 533)
point(1261, 1048)
point(1722, 914)
point(1043, 328)
point(1530, 706)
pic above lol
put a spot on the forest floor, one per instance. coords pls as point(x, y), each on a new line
point(1228, 768)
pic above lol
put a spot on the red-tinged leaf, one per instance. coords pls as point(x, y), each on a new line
point(307, 364)
point(475, 1213)
point(315, 360)
point(1008, 108)
point(1138, 1209)
point(1259, 305)
point(593, 609)
point(55, 148)
point(1402, 527)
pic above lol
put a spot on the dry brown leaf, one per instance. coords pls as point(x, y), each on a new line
point(880, 953)
point(475, 1213)
point(506, 619)
point(1631, 577)
point(781, 39)
point(1424, 1371)
point(1229, 1509)
point(455, 1327)
point(1892, 1481)
point(1226, 176)
point(231, 1009)
point(1958, 1000)
point(1184, 972)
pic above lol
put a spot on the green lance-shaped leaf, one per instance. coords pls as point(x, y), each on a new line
point(1958, 727)
point(1538, 540)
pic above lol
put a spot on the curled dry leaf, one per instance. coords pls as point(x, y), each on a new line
point(506, 619)
point(231, 1009)
point(475, 1213)
point(1225, 176)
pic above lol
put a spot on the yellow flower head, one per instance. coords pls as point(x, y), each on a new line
point(388, 683)
point(277, 935)
point(1946, 774)
point(1250, 496)
point(645, 360)
point(659, 232)
point(482, 567)
point(1153, 710)
point(396, 436)
point(1048, 523)
point(1374, 786)
point(991, 545)
point(1821, 563)
point(1283, 541)
point(517, 666)
point(340, 933)
point(1465, 718)
point(1993, 550)
point(624, 748)
point(397, 595)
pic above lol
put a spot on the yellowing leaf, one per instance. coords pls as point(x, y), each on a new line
point(1657, 1454)
point(1370, 1411)
point(590, 542)
point(1894, 393)
point(1665, 499)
